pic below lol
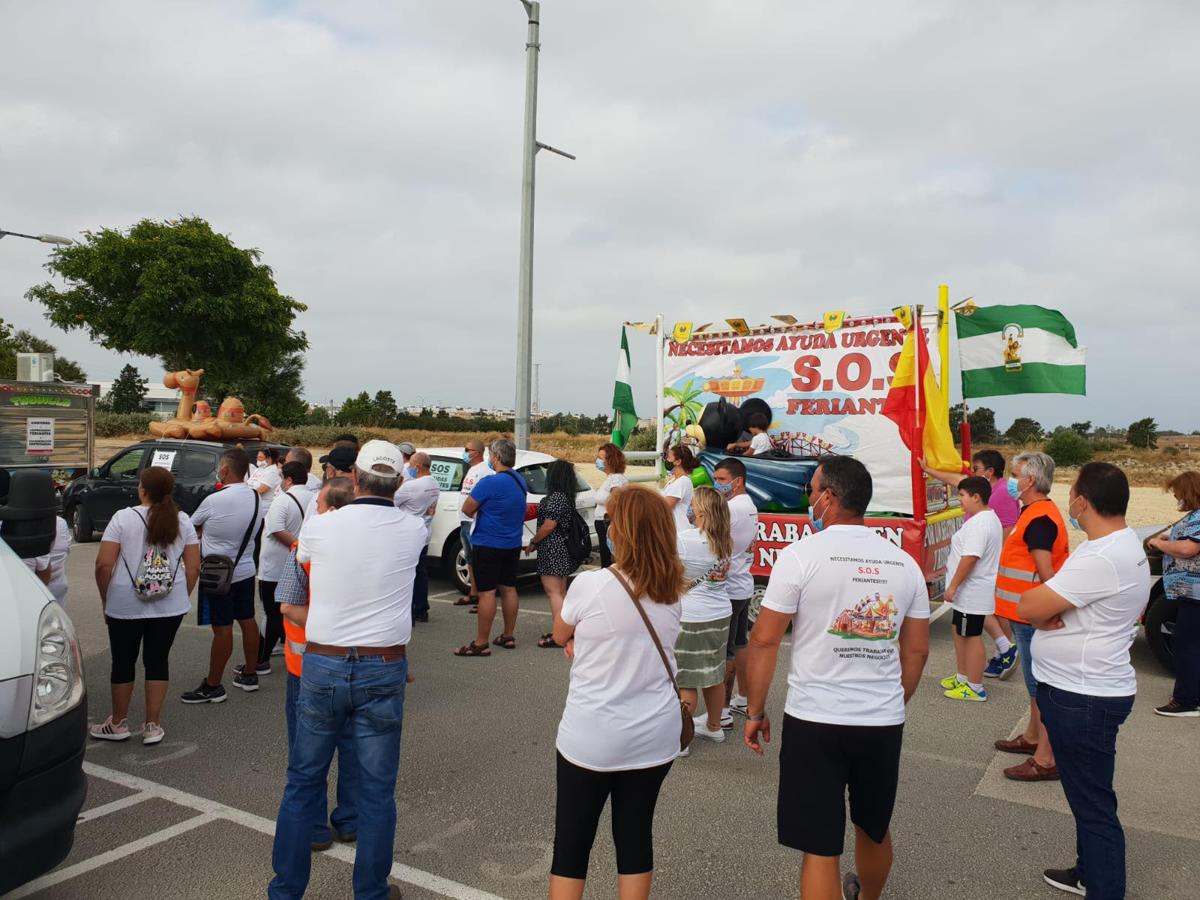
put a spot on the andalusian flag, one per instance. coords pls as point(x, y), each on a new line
point(918, 407)
point(624, 415)
point(1018, 350)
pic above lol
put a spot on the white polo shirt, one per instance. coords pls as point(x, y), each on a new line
point(223, 517)
point(743, 527)
point(363, 563)
point(286, 514)
point(416, 496)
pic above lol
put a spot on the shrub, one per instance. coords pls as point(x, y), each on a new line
point(642, 439)
point(1069, 448)
point(319, 435)
point(110, 424)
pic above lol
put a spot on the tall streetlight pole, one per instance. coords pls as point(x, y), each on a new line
point(525, 284)
point(44, 238)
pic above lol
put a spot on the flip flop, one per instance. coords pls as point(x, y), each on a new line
point(473, 649)
point(547, 641)
point(467, 600)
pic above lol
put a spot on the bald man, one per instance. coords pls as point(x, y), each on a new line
point(418, 495)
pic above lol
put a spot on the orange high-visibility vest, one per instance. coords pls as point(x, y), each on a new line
point(1018, 572)
point(293, 635)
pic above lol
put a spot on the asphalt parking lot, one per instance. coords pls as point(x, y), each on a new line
point(193, 817)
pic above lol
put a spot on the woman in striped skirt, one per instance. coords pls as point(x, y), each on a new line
point(705, 549)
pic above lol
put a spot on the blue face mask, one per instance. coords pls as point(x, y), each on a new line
point(611, 549)
point(600, 463)
point(818, 522)
point(411, 472)
point(1072, 521)
point(466, 456)
point(490, 466)
point(1014, 490)
point(723, 488)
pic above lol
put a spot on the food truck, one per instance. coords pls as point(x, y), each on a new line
point(48, 425)
point(822, 386)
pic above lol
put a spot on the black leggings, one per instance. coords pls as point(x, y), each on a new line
point(581, 797)
point(601, 538)
point(274, 633)
point(153, 636)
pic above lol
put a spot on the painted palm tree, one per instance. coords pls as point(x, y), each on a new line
point(687, 407)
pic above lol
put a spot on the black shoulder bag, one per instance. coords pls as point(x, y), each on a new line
point(216, 572)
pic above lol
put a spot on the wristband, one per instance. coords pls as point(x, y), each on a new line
point(758, 718)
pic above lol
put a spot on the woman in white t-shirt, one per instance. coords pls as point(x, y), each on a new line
point(265, 476)
point(678, 491)
point(148, 563)
point(611, 461)
point(971, 586)
point(620, 727)
point(705, 551)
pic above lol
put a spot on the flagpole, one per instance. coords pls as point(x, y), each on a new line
point(660, 384)
point(918, 476)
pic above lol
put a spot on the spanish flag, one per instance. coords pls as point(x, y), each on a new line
point(925, 426)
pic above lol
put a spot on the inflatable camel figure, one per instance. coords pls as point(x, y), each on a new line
point(194, 419)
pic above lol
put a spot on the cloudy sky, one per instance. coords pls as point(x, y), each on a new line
point(735, 159)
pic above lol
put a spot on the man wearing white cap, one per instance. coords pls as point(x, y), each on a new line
point(359, 621)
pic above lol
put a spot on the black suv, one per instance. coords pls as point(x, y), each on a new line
point(89, 502)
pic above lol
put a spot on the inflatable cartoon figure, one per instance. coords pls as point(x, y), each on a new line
point(194, 418)
point(232, 423)
point(187, 381)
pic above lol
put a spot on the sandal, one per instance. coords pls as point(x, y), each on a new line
point(507, 641)
point(473, 649)
point(467, 600)
point(547, 640)
point(474, 610)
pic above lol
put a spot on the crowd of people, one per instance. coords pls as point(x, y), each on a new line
point(658, 637)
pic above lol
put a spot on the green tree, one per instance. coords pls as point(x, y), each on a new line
point(274, 392)
point(356, 410)
point(128, 392)
point(12, 343)
point(178, 291)
point(1082, 428)
point(1069, 448)
point(1143, 433)
point(1024, 431)
point(983, 426)
point(384, 410)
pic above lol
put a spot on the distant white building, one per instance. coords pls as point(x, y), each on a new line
point(162, 402)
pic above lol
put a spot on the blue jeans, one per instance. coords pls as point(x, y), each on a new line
point(363, 700)
point(345, 815)
point(1083, 732)
point(1024, 637)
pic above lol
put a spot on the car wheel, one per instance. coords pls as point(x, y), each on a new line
point(81, 525)
point(1160, 626)
point(454, 564)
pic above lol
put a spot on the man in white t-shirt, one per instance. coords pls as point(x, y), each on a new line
point(1086, 616)
point(971, 586)
point(859, 611)
point(312, 481)
point(226, 522)
point(280, 530)
point(729, 477)
point(419, 495)
point(477, 469)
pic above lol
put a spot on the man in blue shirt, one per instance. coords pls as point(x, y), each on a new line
point(497, 505)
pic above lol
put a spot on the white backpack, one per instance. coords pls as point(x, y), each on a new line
point(155, 578)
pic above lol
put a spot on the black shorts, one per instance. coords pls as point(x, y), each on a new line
point(237, 604)
point(739, 628)
point(968, 624)
point(817, 763)
point(494, 567)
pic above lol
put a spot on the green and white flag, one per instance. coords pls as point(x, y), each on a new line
point(624, 415)
point(1018, 350)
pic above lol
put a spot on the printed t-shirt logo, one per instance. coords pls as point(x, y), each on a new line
point(873, 618)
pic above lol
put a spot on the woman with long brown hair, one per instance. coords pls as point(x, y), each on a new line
point(611, 461)
point(705, 550)
point(148, 563)
point(620, 728)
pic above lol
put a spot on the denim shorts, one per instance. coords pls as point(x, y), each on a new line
point(1024, 635)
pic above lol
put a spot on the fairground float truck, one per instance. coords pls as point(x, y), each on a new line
point(822, 387)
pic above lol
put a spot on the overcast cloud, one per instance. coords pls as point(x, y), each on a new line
point(735, 159)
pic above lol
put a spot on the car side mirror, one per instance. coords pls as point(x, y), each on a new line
point(28, 517)
point(96, 472)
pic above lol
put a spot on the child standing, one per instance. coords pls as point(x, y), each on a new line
point(971, 589)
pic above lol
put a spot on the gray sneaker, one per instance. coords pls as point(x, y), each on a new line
point(850, 886)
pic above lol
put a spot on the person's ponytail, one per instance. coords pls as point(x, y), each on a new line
point(162, 519)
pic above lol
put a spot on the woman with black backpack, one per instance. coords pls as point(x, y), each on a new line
point(555, 560)
point(148, 563)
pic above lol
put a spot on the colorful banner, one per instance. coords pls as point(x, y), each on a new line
point(779, 530)
point(826, 392)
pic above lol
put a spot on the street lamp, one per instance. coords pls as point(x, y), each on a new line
point(525, 284)
point(44, 238)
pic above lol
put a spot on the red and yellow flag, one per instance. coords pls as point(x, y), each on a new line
point(924, 425)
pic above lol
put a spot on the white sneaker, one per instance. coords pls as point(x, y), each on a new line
point(108, 730)
point(684, 753)
point(726, 718)
point(701, 722)
point(737, 704)
point(152, 733)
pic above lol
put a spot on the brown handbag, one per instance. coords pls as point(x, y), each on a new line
point(687, 729)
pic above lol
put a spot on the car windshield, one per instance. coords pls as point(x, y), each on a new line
point(535, 477)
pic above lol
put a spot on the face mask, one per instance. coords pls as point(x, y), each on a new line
point(466, 456)
point(611, 549)
point(490, 466)
point(600, 463)
point(667, 461)
point(818, 522)
point(1013, 490)
point(691, 516)
point(723, 488)
point(1071, 520)
point(411, 472)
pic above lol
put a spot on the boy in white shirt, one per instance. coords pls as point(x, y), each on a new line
point(971, 586)
point(760, 441)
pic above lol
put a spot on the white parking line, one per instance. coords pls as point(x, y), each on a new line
point(58, 876)
point(939, 612)
point(524, 610)
point(97, 812)
point(211, 809)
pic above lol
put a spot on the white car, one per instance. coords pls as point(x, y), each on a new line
point(448, 468)
point(43, 703)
